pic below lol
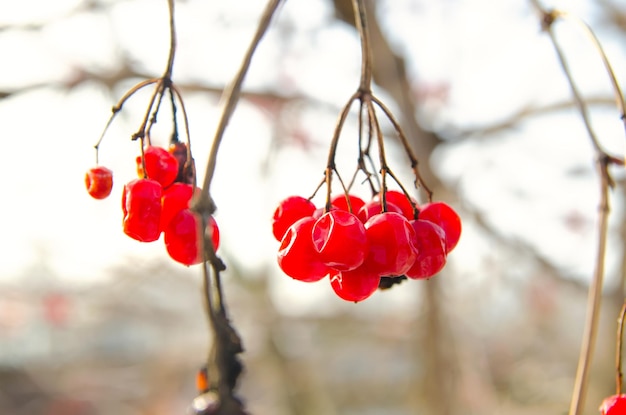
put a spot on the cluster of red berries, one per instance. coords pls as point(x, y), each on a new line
point(357, 243)
point(158, 202)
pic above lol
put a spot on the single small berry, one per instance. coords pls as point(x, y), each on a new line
point(175, 198)
point(443, 215)
point(355, 285)
point(340, 202)
point(391, 244)
point(297, 256)
point(160, 165)
point(339, 238)
point(99, 182)
point(614, 405)
point(182, 240)
point(289, 210)
point(399, 199)
point(374, 207)
point(179, 151)
point(141, 204)
point(430, 241)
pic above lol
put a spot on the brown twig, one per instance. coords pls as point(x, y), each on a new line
point(230, 98)
point(222, 359)
point(618, 350)
point(603, 161)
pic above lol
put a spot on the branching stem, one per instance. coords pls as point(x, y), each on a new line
point(603, 160)
point(618, 350)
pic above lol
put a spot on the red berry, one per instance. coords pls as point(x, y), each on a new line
point(374, 207)
point(399, 199)
point(141, 204)
point(340, 202)
point(175, 198)
point(182, 240)
point(99, 182)
point(320, 211)
point(443, 215)
point(339, 238)
point(430, 241)
point(288, 212)
point(614, 405)
point(391, 244)
point(355, 285)
point(179, 151)
point(160, 165)
point(297, 256)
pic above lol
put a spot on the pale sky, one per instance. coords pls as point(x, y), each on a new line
point(520, 180)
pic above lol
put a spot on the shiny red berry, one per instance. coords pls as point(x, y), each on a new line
point(374, 207)
point(399, 199)
point(297, 256)
point(355, 285)
point(614, 405)
point(430, 241)
point(289, 210)
point(99, 182)
point(160, 165)
point(443, 215)
point(175, 198)
point(182, 240)
point(141, 204)
point(340, 202)
point(179, 151)
point(391, 244)
point(339, 238)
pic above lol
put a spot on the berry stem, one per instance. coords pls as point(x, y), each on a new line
point(117, 108)
point(190, 162)
point(619, 96)
point(419, 182)
point(332, 152)
point(360, 22)
point(172, 52)
point(618, 350)
point(174, 137)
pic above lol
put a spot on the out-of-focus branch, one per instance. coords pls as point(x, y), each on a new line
point(528, 112)
point(603, 160)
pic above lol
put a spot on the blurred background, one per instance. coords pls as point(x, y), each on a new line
point(92, 322)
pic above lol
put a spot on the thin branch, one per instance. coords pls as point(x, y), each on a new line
point(360, 22)
point(603, 161)
point(594, 298)
point(618, 350)
point(230, 98)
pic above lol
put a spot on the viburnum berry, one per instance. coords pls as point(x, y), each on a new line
point(339, 238)
point(141, 204)
point(297, 256)
point(614, 405)
point(374, 207)
point(289, 210)
point(320, 211)
point(160, 165)
point(355, 285)
point(175, 198)
point(179, 151)
point(99, 182)
point(430, 241)
point(182, 240)
point(400, 200)
point(391, 244)
point(340, 202)
point(443, 215)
